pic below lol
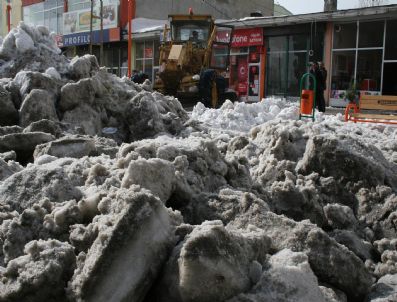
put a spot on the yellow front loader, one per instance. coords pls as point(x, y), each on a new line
point(194, 57)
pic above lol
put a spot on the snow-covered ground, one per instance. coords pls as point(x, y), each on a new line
point(241, 203)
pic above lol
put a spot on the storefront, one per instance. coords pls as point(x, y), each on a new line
point(364, 57)
point(246, 62)
point(357, 46)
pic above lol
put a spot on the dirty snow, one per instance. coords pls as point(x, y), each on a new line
point(112, 192)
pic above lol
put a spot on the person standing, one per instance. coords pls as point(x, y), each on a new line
point(320, 101)
point(324, 74)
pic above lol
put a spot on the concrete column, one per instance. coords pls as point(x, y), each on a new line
point(328, 59)
point(330, 5)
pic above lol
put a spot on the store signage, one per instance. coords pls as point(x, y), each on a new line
point(59, 40)
point(242, 70)
point(223, 36)
point(242, 88)
point(80, 20)
point(247, 37)
point(30, 2)
point(109, 35)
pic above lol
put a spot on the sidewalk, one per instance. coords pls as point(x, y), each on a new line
point(334, 110)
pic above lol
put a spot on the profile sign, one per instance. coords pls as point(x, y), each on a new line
point(307, 98)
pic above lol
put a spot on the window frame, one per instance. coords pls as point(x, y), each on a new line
point(357, 49)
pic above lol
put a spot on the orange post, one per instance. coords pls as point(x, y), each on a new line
point(263, 72)
point(9, 17)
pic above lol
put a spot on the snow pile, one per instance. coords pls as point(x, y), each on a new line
point(29, 48)
point(38, 85)
point(242, 117)
point(109, 192)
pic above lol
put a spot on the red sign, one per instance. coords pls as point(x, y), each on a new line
point(242, 70)
point(30, 2)
point(247, 37)
point(148, 53)
point(242, 88)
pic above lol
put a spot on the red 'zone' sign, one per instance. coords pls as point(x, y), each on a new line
point(247, 37)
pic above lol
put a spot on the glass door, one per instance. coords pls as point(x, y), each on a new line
point(253, 82)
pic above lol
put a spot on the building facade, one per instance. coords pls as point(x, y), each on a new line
point(358, 46)
point(70, 20)
point(15, 15)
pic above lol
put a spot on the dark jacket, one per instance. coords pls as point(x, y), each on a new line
point(324, 73)
point(319, 80)
point(139, 77)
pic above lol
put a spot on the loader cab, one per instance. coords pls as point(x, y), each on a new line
point(194, 28)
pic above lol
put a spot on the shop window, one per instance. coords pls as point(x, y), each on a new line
point(144, 58)
point(277, 73)
point(139, 50)
point(50, 19)
point(369, 68)
point(74, 5)
point(277, 43)
point(139, 65)
point(391, 40)
point(59, 20)
point(255, 52)
point(124, 61)
point(297, 66)
point(253, 79)
point(219, 56)
point(148, 68)
point(286, 63)
point(239, 51)
point(371, 34)
point(345, 35)
point(156, 52)
point(34, 14)
point(389, 79)
point(297, 42)
point(343, 69)
point(49, 13)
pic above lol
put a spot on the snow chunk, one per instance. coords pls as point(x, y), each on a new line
point(23, 41)
point(141, 228)
point(52, 72)
point(40, 275)
point(213, 264)
point(289, 278)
